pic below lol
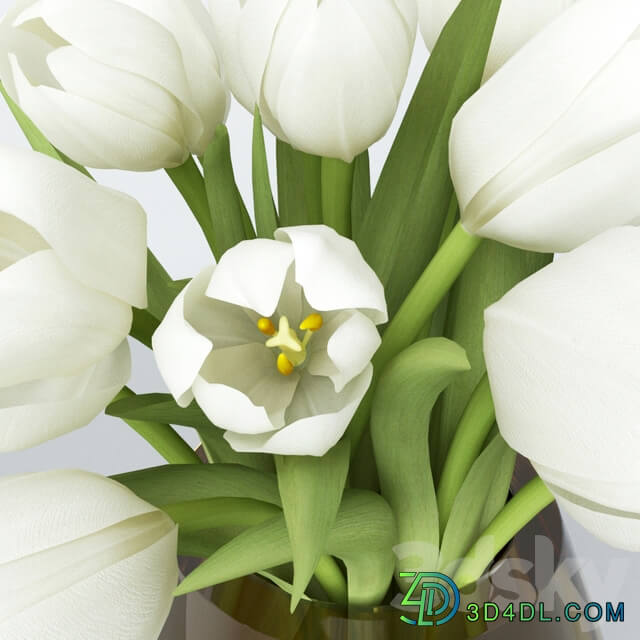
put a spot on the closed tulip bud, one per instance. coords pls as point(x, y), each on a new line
point(124, 84)
point(544, 156)
point(518, 21)
point(327, 75)
point(72, 262)
point(562, 351)
point(82, 557)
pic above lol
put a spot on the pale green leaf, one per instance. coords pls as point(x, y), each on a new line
point(263, 205)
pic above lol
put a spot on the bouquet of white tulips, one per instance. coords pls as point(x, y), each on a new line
point(347, 354)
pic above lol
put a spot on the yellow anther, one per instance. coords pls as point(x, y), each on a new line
point(312, 322)
point(266, 326)
point(285, 367)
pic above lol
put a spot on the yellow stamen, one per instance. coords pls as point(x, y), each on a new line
point(266, 326)
point(285, 367)
point(312, 322)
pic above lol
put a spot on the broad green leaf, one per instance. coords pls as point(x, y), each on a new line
point(311, 491)
point(406, 393)
point(161, 407)
point(263, 205)
point(225, 204)
point(361, 191)
point(299, 186)
point(180, 483)
point(494, 269)
point(211, 513)
point(402, 227)
point(481, 497)
point(362, 537)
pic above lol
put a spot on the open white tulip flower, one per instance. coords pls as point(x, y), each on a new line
point(124, 84)
point(544, 155)
point(82, 557)
point(562, 351)
point(275, 342)
point(518, 21)
point(327, 76)
point(72, 263)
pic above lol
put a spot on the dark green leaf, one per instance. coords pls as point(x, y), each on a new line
point(406, 393)
point(361, 191)
point(403, 223)
point(311, 490)
point(263, 205)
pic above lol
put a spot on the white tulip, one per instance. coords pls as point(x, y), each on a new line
point(544, 156)
point(563, 352)
point(125, 84)
point(275, 342)
point(518, 21)
point(327, 75)
point(82, 557)
point(72, 262)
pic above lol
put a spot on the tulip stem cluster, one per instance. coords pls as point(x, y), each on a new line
point(516, 514)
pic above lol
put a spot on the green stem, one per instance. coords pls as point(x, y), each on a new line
point(162, 437)
point(471, 434)
point(332, 580)
point(516, 514)
point(337, 192)
point(190, 183)
point(264, 207)
point(428, 292)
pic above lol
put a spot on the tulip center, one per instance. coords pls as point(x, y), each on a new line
point(293, 350)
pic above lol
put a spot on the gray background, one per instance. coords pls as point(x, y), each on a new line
point(108, 446)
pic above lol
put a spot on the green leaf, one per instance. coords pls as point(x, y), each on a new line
point(403, 223)
point(362, 537)
point(493, 270)
point(263, 205)
point(180, 483)
point(161, 407)
point(406, 393)
point(225, 204)
point(311, 490)
point(361, 191)
point(481, 497)
point(299, 186)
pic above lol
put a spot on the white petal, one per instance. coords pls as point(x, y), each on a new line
point(350, 98)
point(79, 552)
point(179, 349)
point(333, 273)
point(343, 347)
point(518, 21)
point(252, 275)
point(87, 225)
point(93, 135)
point(562, 351)
point(240, 389)
point(328, 414)
point(536, 87)
point(34, 412)
point(56, 327)
point(531, 202)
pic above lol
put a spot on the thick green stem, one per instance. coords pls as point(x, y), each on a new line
point(428, 292)
point(162, 437)
point(332, 580)
point(471, 434)
point(337, 192)
point(517, 513)
point(190, 184)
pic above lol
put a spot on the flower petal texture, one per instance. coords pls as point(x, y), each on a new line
point(327, 75)
point(126, 84)
point(275, 342)
point(72, 263)
point(82, 552)
point(562, 351)
point(518, 21)
point(541, 156)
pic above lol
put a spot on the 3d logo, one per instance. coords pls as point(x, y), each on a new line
point(436, 596)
